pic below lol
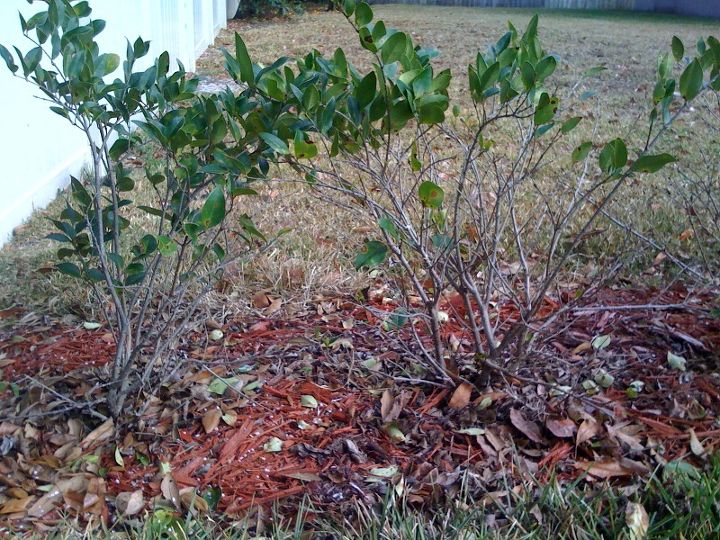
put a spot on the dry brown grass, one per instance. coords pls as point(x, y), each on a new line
point(316, 254)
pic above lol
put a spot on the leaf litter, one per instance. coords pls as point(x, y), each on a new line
point(297, 416)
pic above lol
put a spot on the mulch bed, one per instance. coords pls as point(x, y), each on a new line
point(361, 433)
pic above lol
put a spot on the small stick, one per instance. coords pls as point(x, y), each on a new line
point(636, 307)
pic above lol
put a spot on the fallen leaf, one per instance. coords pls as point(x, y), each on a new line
point(170, 491)
point(627, 434)
point(474, 431)
point(220, 385)
point(13, 506)
point(395, 432)
point(230, 418)
point(384, 472)
point(561, 427)
point(611, 468)
point(193, 501)
point(46, 503)
point(695, 445)
point(461, 396)
point(391, 406)
point(637, 521)
point(587, 430)
point(528, 428)
point(342, 343)
point(273, 445)
point(304, 476)
point(686, 235)
point(261, 300)
point(600, 342)
point(130, 503)
point(211, 419)
point(356, 454)
point(603, 378)
point(118, 457)
point(308, 401)
point(216, 335)
point(274, 306)
point(676, 361)
point(584, 346)
point(101, 433)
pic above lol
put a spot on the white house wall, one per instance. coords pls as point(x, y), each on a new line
point(38, 149)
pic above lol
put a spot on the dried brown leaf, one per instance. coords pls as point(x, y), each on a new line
point(304, 476)
point(261, 300)
point(211, 419)
point(130, 503)
point(587, 430)
point(13, 506)
point(561, 427)
point(191, 500)
point(696, 446)
point(528, 428)
point(461, 396)
point(391, 406)
point(170, 491)
point(101, 433)
point(637, 521)
point(611, 468)
point(46, 503)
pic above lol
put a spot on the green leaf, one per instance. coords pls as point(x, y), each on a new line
point(363, 14)
point(593, 71)
point(527, 72)
point(107, 63)
point(31, 60)
point(212, 496)
point(570, 124)
point(273, 445)
point(676, 361)
point(385, 472)
point(304, 150)
point(691, 80)
point(582, 151)
point(393, 50)
point(473, 431)
point(614, 156)
point(9, 60)
point(119, 148)
point(274, 142)
point(246, 70)
point(219, 385)
point(213, 211)
point(166, 246)
point(600, 342)
point(348, 7)
point(373, 254)
point(545, 68)
point(664, 66)
point(651, 164)
point(69, 269)
point(431, 109)
point(431, 195)
point(678, 49)
point(308, 401)
point(365, 92)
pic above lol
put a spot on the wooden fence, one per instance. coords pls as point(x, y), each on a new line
point(701, 8)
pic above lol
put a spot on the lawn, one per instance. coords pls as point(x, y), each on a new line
point(300, 408)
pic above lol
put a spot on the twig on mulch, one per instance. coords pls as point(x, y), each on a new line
point(638, 307)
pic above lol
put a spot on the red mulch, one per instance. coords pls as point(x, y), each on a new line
point(330, 452)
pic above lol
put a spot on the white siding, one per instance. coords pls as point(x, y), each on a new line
point(38, 149)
